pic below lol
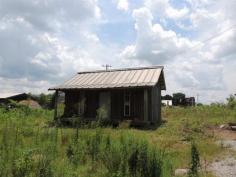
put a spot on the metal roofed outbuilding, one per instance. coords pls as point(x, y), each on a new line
point(129, 93)
point(115, 78)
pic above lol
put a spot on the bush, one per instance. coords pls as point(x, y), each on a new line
point(93, 145)
point(70, 153)
point(23, 165)
point(112, 160)
point(103, 117)
point(155, 165)
point(143, 160)
point(195, 161)
point(43, 168)
point(133, 161)
point(231, 102)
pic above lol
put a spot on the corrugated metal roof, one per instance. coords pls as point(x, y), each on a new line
point(8, 95)
point(115, 78)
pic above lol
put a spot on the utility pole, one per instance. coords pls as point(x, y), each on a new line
point(106, 66)
point(197, 97)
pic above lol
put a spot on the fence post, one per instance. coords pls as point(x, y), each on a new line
point(55, 105)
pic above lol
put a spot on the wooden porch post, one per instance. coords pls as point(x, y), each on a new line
point(145, 104)
point(153, 106)
point(55, 105)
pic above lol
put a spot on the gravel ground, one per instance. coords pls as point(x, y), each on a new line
point(224, 168)
point(227, 144)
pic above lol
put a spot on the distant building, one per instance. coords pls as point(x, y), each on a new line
point(6, 97)
point(190, 101)
point(178, 99)
point(167, 100)
point(21, 98)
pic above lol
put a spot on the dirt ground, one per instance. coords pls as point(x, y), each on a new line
point(225, 134)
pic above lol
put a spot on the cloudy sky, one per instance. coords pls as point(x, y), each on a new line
point(44, 42)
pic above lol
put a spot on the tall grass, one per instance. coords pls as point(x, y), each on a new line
point(29, 146)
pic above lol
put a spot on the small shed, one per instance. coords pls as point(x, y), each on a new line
point(167, 100)
point(5, 97)
point(21, 98)
point(126, 94)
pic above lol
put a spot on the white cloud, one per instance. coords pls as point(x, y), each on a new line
point(192, 66)
point(36, 43)
point(44, 42)
point(23, 85)
point(153, 42)
point(122, 4)
point(163, 9)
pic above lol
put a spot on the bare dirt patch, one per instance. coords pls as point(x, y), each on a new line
point(225, 134)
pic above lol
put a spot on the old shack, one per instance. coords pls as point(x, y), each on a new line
point(5, 98)
point(126, 94)
point(20, 98)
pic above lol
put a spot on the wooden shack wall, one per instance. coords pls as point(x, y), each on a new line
point(136, 104)
point(117, 103)
point(138, 101)
point(91, 104)
point(155, 104)
point(158, 90)
point(71, 98)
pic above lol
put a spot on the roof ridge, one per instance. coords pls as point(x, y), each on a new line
point(121, 69)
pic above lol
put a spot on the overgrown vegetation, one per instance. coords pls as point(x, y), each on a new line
point(231, 102)
point(45, 100)
point(102, 118)
point(29, 146)
point(195, 162)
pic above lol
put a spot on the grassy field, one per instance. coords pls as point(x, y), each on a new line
point(31, 146)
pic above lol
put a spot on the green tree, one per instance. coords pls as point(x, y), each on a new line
point(45, 100)
point(178, 99)
point(231, 102)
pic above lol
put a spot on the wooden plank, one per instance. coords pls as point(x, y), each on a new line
point(145, 104)
point(55, 105)
point(117, 104)
point(233, 128)
point(153, 107)
point(91, 103)
point(155, 104)
point(81, 105)
point(158, 95)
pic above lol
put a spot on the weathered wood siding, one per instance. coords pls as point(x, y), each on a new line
point(137, 100)
point(117, 104)
point(155, 104)
point(90, 101)
point(136, 104)
point(137, 107)
point(91, 104)
point(71, 99)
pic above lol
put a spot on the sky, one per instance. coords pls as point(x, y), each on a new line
point(45, 42)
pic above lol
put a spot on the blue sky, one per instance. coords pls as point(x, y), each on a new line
point(42, 43)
